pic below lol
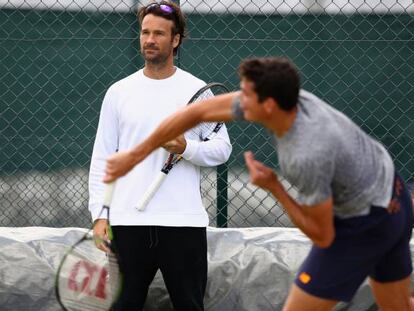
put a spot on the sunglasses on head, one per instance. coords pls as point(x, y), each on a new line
point(163, 7)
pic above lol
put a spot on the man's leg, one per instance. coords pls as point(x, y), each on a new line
point(137, 264)
point(300, 300)
point(391, 278)
point(393, 296)
point(183, 263)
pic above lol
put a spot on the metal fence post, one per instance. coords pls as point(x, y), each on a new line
point(222, 195)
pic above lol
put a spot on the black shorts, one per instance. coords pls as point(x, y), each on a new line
point(375, 245)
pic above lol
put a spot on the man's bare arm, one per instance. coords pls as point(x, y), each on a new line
point(217, 108)
point(316, 221)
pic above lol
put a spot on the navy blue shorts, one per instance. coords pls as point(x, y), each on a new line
point(375, 245)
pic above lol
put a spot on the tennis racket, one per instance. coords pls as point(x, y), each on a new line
point(204, 132)
point(89, 279)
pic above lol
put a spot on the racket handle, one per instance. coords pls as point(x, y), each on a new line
point(150, 191)
point(109, 190)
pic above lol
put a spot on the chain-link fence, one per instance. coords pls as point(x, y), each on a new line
point(58, 57)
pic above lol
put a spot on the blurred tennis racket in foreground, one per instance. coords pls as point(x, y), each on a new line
point(204, 131)
point(89, 279)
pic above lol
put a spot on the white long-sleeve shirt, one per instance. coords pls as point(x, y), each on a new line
point(132, 108)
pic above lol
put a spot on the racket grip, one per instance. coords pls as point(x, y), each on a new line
point(109, 190)
point(143, 202)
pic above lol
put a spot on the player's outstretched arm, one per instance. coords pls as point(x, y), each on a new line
point(217, 108)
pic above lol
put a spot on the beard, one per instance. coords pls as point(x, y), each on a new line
point(155, 56)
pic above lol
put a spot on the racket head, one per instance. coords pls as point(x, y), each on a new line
point(208, 90)
point(87, 278)
point(206, 130)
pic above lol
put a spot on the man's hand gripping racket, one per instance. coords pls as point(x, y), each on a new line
point(88, 278)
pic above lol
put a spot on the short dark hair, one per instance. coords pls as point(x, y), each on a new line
point(275, 77)
point(175, 15)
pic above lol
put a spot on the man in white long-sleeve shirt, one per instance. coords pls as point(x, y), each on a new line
point(170, 234)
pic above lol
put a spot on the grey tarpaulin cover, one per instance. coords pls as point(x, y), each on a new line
point(249, 269)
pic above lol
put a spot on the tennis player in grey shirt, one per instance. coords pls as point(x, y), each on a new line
point(352, 204)
point(325, 154)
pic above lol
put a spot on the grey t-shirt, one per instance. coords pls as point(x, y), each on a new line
point(325, 154)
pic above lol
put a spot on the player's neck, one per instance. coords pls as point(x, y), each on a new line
point(281, 122)
point(159, 71)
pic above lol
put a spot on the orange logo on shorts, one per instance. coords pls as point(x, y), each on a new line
point(304, 278)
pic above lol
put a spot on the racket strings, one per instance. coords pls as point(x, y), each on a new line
point(88, 278)
point(205, 130)
point(81, 306)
